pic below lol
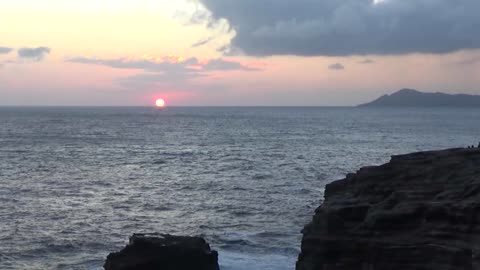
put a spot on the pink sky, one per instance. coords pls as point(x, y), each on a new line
point(132, 52)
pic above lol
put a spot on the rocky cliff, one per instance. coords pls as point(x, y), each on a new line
point(419, 211)
point(164, 252)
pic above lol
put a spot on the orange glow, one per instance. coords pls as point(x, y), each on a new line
point(160, 103)
point(169, 58)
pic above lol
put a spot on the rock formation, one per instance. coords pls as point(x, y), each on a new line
point(164, 252)
point(419, 211)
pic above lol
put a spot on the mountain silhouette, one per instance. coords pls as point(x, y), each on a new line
point(411, 97)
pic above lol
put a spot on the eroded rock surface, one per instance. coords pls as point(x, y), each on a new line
point(419, 211)
point(164, 252)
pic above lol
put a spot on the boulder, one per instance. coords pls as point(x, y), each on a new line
point(164, 252)
point(419, 211)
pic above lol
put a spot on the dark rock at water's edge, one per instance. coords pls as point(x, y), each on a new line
point(419, 211)
point(164, 252)
point(411, 97)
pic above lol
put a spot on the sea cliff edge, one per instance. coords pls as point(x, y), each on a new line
point(419, 211)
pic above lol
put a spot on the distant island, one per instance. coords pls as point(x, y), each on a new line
point(411, 97)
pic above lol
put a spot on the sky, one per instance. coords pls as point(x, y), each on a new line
point(234, 52)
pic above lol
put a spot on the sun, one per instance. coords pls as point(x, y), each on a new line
point(160, 103)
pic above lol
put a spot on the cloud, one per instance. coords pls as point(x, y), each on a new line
point(167, 64)
point(164, 64)
point(348, 27)
point(5, 50)
point(166, 69)
point(35, 54)
point(336, 66)
point(367, 61)
point(202, 42)
point(221, 64)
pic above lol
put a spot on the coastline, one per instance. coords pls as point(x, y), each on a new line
point(418, 211)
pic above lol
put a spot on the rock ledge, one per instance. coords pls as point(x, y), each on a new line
point(164, 252)
point(419, 211)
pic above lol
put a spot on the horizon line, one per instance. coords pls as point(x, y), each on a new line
point(177, 106)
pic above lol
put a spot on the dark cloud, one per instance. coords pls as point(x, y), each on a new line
point(367, 61)
point(348, 27)
point(336, 66)
point(36, 54)
point(5, 50)
point(203, 42)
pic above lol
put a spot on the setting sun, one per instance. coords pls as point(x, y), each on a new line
point(160, 103)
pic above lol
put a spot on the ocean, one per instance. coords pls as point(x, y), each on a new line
point(76, 182)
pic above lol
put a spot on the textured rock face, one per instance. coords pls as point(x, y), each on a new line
point(419, 211)
point(164, 252)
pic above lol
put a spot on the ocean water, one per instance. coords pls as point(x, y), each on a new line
point(75, 183)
